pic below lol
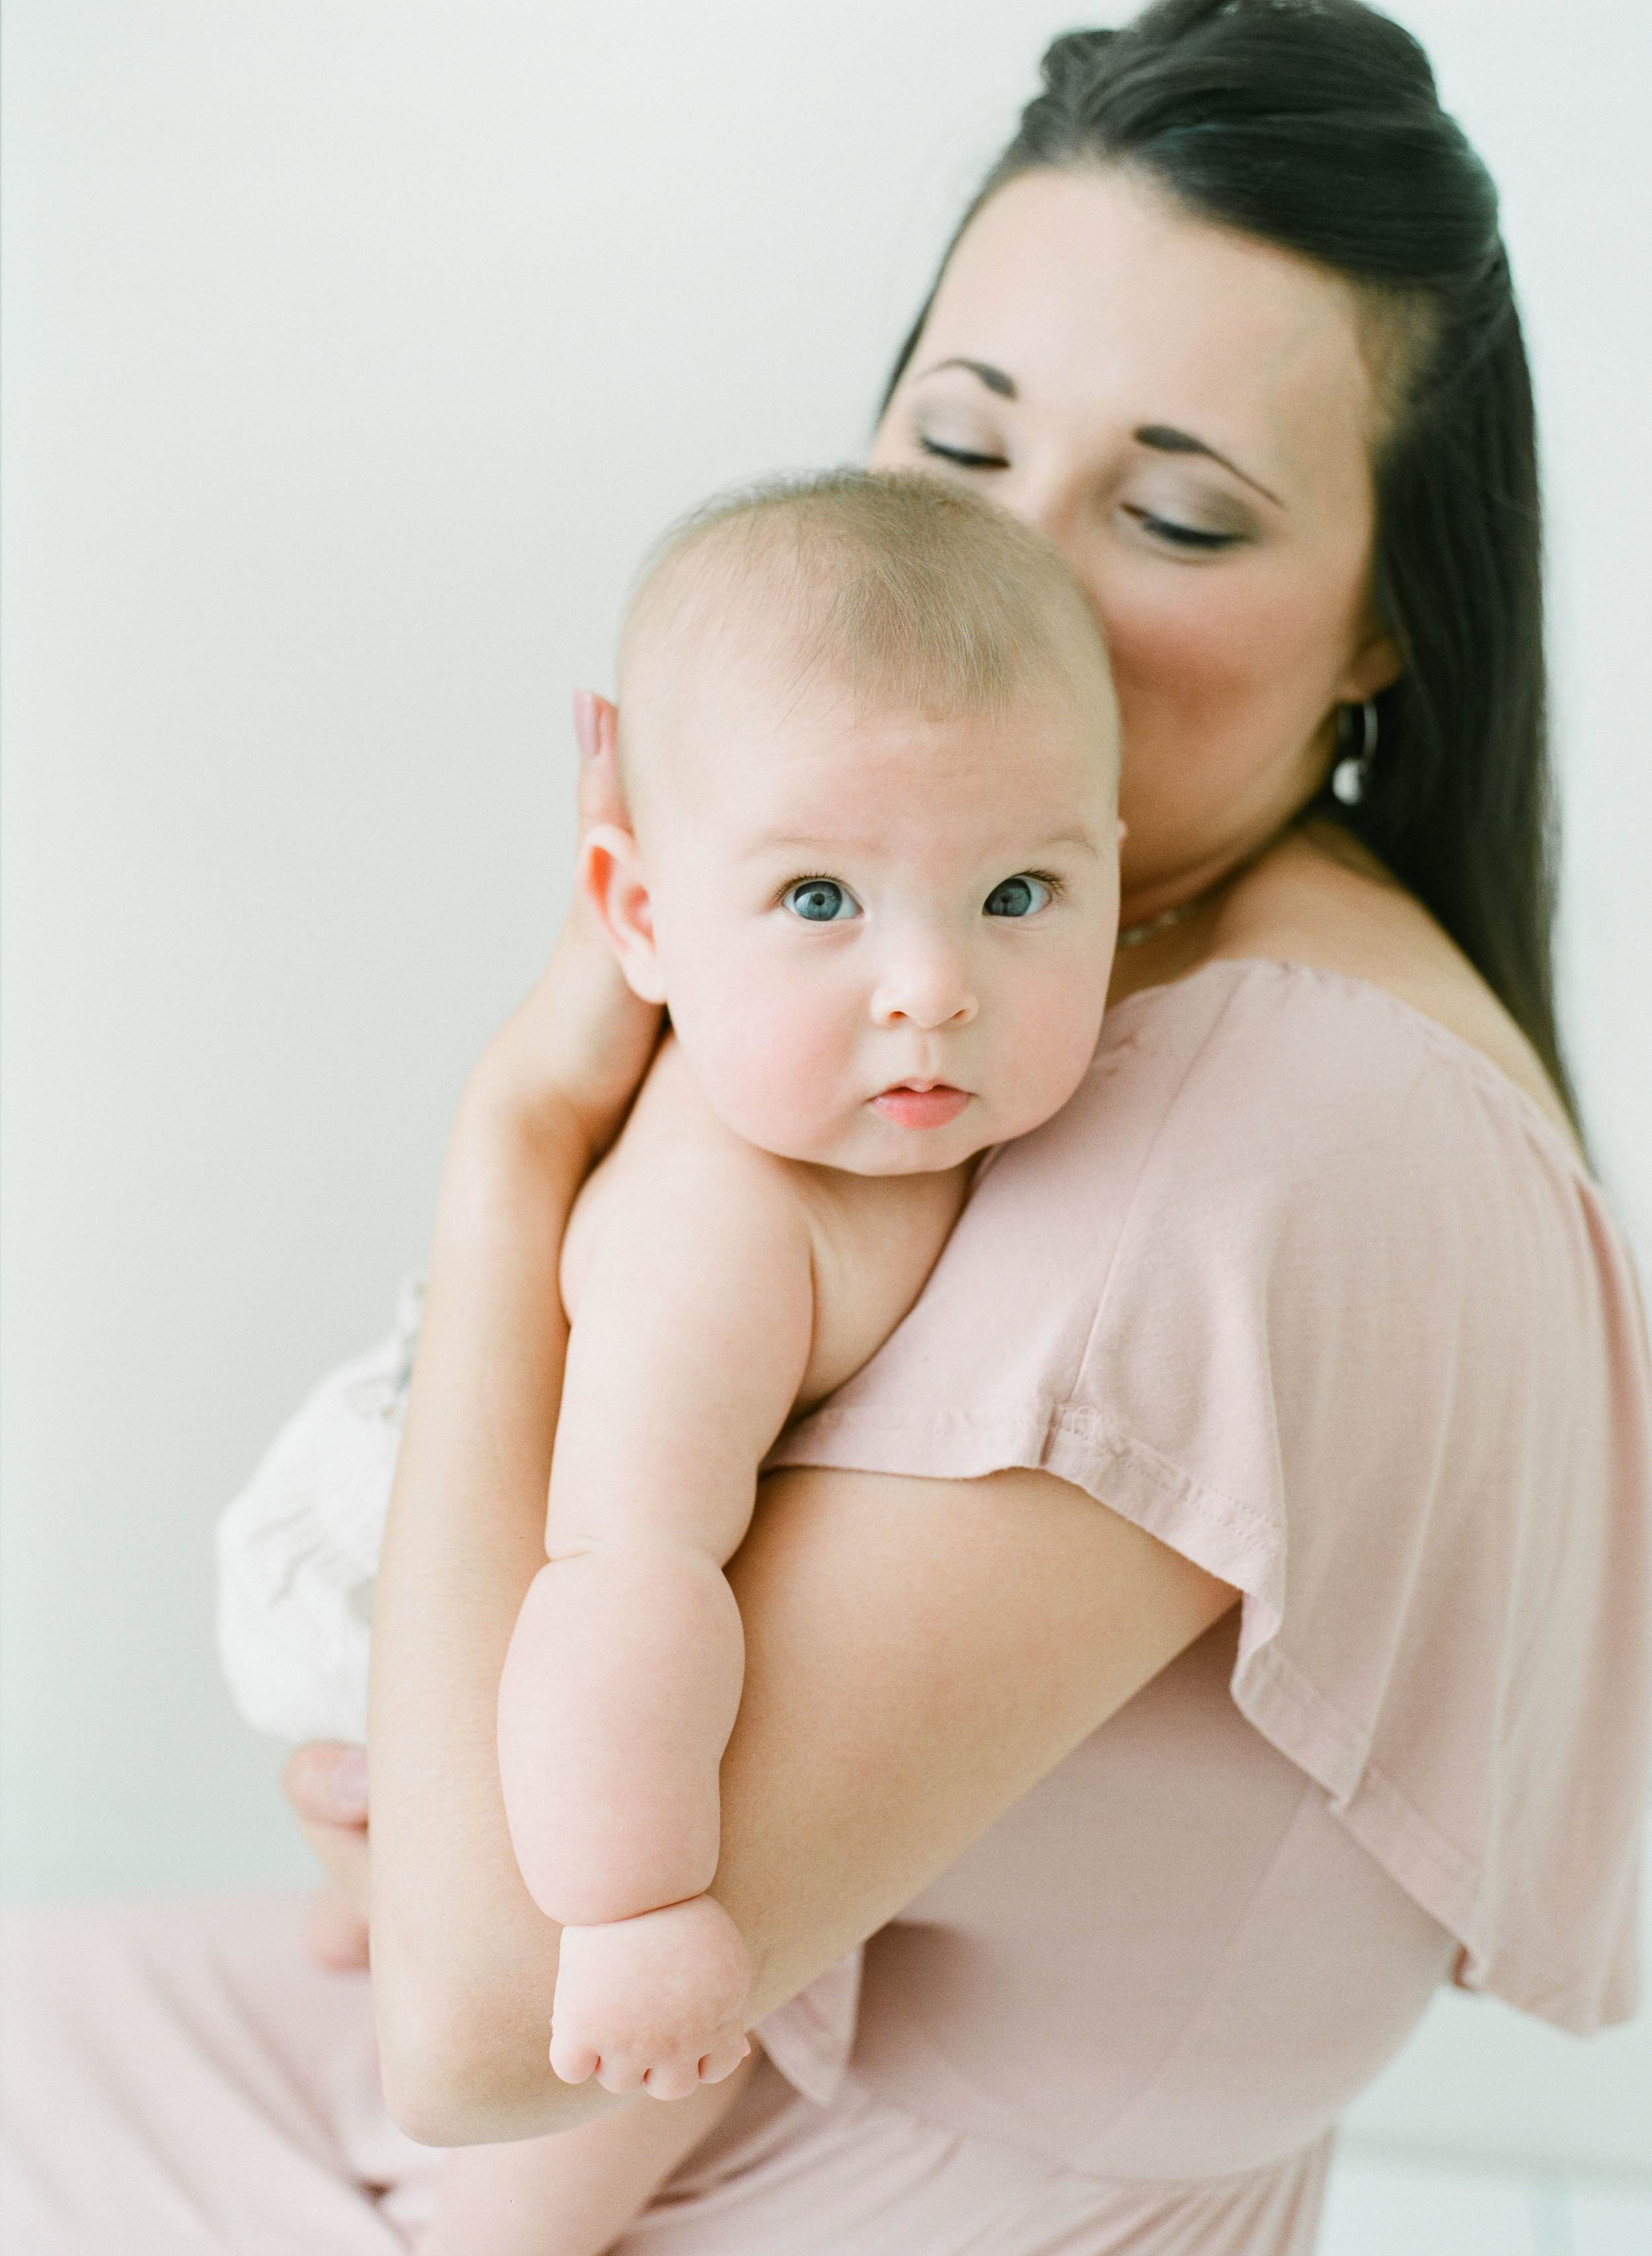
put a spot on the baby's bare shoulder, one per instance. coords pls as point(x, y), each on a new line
point(677, 1164)
point(875, 1240)
point(870, 1241)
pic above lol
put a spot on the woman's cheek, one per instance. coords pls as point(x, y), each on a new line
point(1221, 687)
point(1205, 654)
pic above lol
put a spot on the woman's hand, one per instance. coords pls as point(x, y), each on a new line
point(582, 1042)
point(327, 1785)
point(570, 1059)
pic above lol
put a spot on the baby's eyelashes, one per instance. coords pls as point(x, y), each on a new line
point(821, 900)
point(1021, 896)
point(828, 900)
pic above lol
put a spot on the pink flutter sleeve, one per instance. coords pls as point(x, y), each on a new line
point(1304, 1286)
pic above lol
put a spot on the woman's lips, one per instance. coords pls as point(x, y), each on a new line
point(922, 1108)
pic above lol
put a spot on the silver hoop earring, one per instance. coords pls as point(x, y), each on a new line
point(1353, 772)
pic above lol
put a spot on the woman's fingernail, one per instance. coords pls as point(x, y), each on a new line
point(350, 1782)
point(585, 723)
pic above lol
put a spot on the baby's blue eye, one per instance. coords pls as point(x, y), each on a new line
point(1018, 896)
point(820, 900)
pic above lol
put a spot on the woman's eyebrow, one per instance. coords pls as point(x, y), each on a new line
point(1165, 440)
point(993, 378)
point(1162, 437)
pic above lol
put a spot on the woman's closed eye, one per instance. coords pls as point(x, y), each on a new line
point(1171, 533)
point(1179, 535)
point(965, 458)
point(820, 900)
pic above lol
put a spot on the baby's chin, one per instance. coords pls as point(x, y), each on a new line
point(866, 1144)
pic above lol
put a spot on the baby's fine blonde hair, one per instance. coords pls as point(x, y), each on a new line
point(904, 589)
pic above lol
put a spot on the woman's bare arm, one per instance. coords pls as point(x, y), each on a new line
point(919, 1654)
point(463, 1962)
point(462, 1957)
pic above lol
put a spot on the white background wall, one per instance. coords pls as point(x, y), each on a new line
point(353, 351)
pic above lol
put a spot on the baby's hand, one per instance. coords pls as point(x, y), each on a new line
point(654, 2001)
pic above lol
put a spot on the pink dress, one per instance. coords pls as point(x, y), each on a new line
point(1302, 1285)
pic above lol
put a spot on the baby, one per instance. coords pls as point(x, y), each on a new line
point(868, 751)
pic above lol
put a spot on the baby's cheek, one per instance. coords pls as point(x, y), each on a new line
point(774, 1069)
point(1049, 1038)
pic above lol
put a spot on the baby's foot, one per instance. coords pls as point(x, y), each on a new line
point(651, 2003)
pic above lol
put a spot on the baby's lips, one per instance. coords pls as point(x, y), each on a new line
point(922, 1108)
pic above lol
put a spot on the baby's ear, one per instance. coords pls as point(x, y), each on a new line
point(611, 879)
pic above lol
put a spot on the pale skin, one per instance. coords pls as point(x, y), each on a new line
point(884, 937)
point(918, 1652)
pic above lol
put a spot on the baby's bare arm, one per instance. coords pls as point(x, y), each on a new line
point(692, 1334)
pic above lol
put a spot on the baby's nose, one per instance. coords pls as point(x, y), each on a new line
point(928, 989)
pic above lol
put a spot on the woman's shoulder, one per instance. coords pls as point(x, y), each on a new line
point(1254, 1042)
point(1259, 1083)
point(1321, 902)
point(1329, 1023)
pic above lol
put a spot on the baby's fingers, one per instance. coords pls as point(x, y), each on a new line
point(572, 2060)
point(723, 2059)
point(672, 2079)
point(621, 2073)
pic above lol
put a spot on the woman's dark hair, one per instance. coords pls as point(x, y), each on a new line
point(1316, 125)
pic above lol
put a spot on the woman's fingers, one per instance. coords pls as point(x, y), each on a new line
point(586, 702)
point(337, 1933)
point(596, 732)
point(327, 1785)
point(582, 1035)
point(344, 1850)
point(326, 1782)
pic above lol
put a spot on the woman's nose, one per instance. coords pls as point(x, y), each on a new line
point(1053, 503)
point(927, 989)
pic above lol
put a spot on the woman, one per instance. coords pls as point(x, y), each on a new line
point(1219, 1612)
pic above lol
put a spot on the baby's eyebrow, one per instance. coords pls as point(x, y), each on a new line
point(776, 841)
point(826, 848)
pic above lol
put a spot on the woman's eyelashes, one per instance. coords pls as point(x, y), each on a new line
point(965, 458)
point(1172, 532)
point(1177, 535)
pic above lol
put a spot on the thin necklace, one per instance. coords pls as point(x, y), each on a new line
point(1133, 935)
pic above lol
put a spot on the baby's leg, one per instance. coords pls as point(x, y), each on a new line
point(574, 2194)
